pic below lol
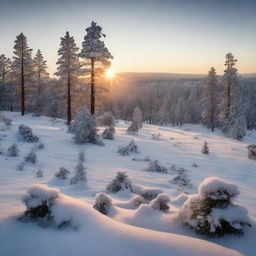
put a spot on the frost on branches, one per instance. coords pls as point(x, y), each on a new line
point(120, 182)
point(212, 212)
point(84, 128)
point(103, 203)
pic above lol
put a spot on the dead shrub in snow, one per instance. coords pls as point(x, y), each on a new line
point(13, 150)
point(161, 203)
point(120, 182)
point(62, 173)
point(103, 203)
point(251, 151)
point(31, 157)
point(26, 134)
point(154, 166)
point(212, 212)
point(205, 148)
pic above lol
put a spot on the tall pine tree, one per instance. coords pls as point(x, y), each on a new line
point(209, 100)
point(95, 51)
point(68, 68)
point(41, 75)
point(22, 67)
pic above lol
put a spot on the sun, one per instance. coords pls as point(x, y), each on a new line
point(110, 73)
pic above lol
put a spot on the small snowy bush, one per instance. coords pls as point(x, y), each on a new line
point(62, 173)
point(103, 203)
point(13, 150)
point(154, 166)
point(181, 180)
point(31, 157)
point(194, 165)
point(20, 166)
point(26, 134)
point(212, 211)
point(106, 119)
point(39, 201)
point(7, 121)
point(133, 128)
point(156, 136)
point(130, 148)
point(84, 128)
point(120, 182)
point(137, 200)
point(251, 151)
point(40, 145)
point(80, 172)
point(205, 148)
point(39, 173)
point(160, 203)
point(149, 194)
point(107, 134)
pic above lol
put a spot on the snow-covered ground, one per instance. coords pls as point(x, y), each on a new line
point(128, 231)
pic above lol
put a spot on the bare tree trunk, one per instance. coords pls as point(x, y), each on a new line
point(22, 81)
point(92, 88)
point(69, 102)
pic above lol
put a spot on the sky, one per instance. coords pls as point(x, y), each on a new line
point(169, 36)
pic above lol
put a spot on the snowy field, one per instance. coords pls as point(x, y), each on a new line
point(127, 231)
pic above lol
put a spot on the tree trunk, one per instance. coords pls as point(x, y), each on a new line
point(92, 88)
point(22, 82)
point(69, 102)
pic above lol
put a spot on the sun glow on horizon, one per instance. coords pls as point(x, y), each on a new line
point(110, 73)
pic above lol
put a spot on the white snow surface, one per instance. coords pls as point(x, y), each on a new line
point(127, 231)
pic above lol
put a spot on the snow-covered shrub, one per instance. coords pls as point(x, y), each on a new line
point(107, 134)
point(137, 200)
point(178, 170)
point(181, 180)
point(205, 148)
point(154, 166)
point(149, 194)
point(133, 128)
point(98, 141)
point(194, 165)
point(39, 201)
point(120, 182)
point(106, 119)
point(7, 121)
point(39, 173)
point(62, 173)
point(212, 212)
point(251, 151)
point(31, 157)
point(103, 203)
point(26, 134)
point(160, 203)
point(20, 166)
point(80, 172)
point(40, 145)
point(13, 150)
point(84, 128)
point(130, 148)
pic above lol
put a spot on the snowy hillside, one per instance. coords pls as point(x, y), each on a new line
point(128, 230)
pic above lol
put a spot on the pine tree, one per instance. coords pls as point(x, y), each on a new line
point(231, 115)
point(68, 68)
point(40, 67)
point(209, 100)
point(94, 50)
point(5, 65)
point(22, 66)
